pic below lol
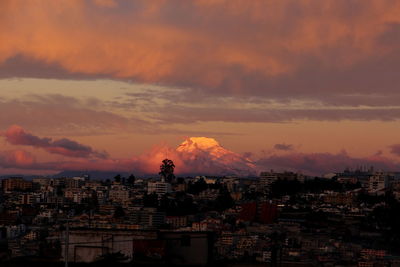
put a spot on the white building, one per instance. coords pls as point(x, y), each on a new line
point(147, 218)
point(160, 188)
point(74, 182)
point(41, 181)
point(378, 182)
point(74, 194)
point(118, 193)
point(28, 198)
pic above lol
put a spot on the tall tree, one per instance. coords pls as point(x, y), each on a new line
point(131, 180)
point(117, 178)
point(167, 170)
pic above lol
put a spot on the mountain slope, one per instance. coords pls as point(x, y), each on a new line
point(206, 155)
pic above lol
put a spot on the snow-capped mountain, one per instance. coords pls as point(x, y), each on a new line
point(206, 155)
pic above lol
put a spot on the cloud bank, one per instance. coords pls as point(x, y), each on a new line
point(16, 135)
point(338, 52)
point(19, 159)
point(395, 149)
point(283, 147)
point(322, 163)
point(195, 156)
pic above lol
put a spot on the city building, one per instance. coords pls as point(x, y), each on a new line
point(16, 183)
point(160, 188)
point(147, 218)
point(378, 183)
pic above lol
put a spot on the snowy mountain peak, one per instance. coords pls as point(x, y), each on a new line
point(205, 154)
point(194, 143)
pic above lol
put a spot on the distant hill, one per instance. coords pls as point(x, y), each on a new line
point(95, 175)
point(25, 176)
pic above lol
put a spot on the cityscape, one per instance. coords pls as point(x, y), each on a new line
point(199, 133)
point(351, 218)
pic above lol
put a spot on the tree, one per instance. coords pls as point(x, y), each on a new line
point(60, 190)
point(131, 180)
point(224, 200)
point(198, 186)
point(107, 182)
point(92, 202)
point(282, 187)
point(117, 178)
point(167, 170)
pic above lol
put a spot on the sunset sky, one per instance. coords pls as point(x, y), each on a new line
point(302, 85)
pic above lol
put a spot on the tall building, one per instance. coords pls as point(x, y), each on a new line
point(119, 193)
point(74, 182)
point(43, 181)
point(378, 182)
point(16, 183)
point(27, 198)
point(160, 188)
point(267, 178)
point(147, 218)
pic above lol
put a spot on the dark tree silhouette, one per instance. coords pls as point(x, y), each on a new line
point(107, 182)
point(117, 178)
point(198, 186)
point(60, 190)
point(167, 170)
point(131, 180)
point(224, 200)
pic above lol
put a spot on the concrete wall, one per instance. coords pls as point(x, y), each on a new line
point(88, 245)
point(187, 248)
point(178, 248)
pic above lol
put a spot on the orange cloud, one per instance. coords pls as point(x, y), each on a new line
point(16, 159)
point(66, 115)
point(194, 157)
point(198, 156)
point(228, 44)
point(105, 3)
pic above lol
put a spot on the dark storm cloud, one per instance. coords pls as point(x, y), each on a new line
point(16, 135)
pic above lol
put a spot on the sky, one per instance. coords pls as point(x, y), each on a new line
point(300, 85)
